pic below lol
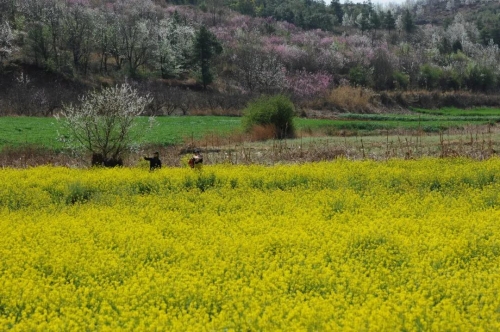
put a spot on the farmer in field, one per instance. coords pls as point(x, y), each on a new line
point(154, 162)
point(196, 160)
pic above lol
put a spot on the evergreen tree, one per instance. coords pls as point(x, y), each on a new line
point(389, 21)
point(206, 46)
point(408, 24)
point(445, 46)
point(457, 46)
point(362, 22)
point(337, 10)
point(375, 20)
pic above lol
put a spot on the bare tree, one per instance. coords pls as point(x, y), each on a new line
point(165, 98)
point(78, 24)
point(258, 71)
point(138, 32)
point(215, 8)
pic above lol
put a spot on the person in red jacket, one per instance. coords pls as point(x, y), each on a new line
point(197, 159)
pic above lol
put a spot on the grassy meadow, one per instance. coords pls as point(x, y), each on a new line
point(171, 130)
point(399, 245)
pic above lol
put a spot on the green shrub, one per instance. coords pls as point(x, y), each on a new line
point(79, 193)
point(277, 111)
point(429, 76)
point(145, 187)
point(359, 76)
point(401, 80)
point(204, 182)
point(449, 80)
point(480, 78)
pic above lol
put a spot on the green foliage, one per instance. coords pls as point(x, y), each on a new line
point(359, 76)
point(488, 23)
point(389, 21)
point(429, 76)
point(145, 187)
point(78, 193)
point(401, 80)
point(363, 23)
point(277, 111)
point(444, 46)
point(246, 7)
point(490, 113)
point(408, 23)
point(449, 80)
point(337, 11)
point(480, 78)
point(457, 46)
point(306, 14)
point(204, 182)
point(382, 71)
point(42, 131)
point(19, 132)
point(375, 20)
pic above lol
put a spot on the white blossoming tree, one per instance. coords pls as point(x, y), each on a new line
point(175, 41)
point(104, 123)
point(6, 41)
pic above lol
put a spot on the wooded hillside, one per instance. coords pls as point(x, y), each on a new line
point(215, 55)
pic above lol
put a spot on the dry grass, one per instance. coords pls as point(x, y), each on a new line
point(437, 99)
point(263, 132)
point(31, 156)
point(352, 99)
point(476, 142)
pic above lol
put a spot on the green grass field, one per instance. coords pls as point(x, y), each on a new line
point(452, 111)
point(18, 131)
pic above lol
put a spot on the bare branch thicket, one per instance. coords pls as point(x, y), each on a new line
point(165, 99)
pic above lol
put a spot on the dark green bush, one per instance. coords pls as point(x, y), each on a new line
point(277, 111)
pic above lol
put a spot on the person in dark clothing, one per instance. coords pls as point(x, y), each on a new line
point(155, 162)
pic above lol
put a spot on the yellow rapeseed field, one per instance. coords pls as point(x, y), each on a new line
point(331, 246)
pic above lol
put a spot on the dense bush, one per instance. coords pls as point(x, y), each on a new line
point(277, 111)
point(449, 80)
point(359, 76)
point(480, 79)
point(429, 76)
point(401, 80)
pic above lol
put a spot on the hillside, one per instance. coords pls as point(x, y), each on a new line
point(425, 53)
